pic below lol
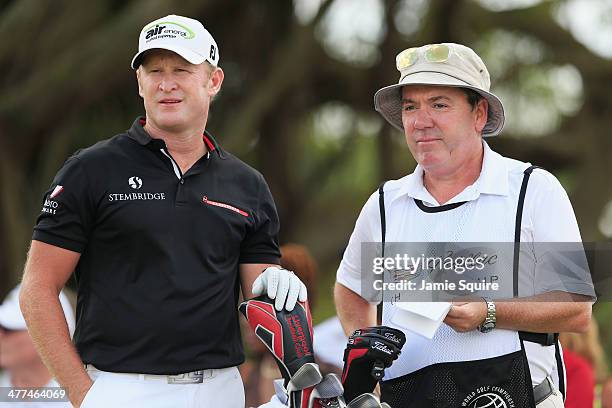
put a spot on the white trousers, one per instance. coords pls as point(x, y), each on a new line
point(221, 388)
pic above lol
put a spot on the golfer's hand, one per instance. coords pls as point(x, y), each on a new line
point(281, 285)
point(466, 316)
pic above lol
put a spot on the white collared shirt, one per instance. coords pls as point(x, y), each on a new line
point(488, 215)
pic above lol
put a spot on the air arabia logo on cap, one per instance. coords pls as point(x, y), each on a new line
point(167, 29)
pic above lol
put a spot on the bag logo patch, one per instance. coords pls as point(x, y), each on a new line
point(490, 397)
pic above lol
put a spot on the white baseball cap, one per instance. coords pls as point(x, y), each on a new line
point(12, 319)
point(445, 64)
point(185, 36)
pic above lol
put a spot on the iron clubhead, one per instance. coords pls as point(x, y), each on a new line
point(367, 400)
point(306, 376)
point(329, 388)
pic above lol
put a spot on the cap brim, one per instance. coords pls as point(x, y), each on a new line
point(190, 56)
point(10, 319)
point(388, 101)
point(13, 324)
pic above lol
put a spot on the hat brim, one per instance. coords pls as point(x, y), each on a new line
point(189, 55)
point(388, 100)
point(10, 314)
point(12, 323)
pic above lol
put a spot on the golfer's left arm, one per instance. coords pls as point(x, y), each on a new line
point(248, 274)
point(277, 283)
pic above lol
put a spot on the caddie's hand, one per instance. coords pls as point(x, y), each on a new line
point(466, 316)
point(282, 286)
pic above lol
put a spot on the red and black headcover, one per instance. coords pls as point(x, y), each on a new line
point(369, 351)
point(288, 335)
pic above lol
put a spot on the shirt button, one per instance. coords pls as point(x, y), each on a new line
point(182, 181)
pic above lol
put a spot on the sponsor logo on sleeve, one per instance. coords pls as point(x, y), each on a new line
point(50, 206)
point(56, 191)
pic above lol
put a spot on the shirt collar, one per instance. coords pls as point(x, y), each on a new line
point(140, 135)
point(494, 175)
point(493, 179)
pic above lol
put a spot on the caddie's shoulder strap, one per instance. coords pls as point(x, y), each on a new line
point(383, 234)
point(545, 339)
point(517, 226)
point(383, 219)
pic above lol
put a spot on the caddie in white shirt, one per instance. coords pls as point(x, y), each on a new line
point(504, 354)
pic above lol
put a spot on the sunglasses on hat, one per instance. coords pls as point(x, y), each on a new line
point(431, 53)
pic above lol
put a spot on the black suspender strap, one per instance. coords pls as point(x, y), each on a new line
point(560, 368)
point(383, 219)
point(383, 233)
point(517, 227)
point(545, 339)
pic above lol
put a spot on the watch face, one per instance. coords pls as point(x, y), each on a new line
point(487, 327)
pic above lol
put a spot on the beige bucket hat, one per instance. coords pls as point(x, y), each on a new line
point(446, 64)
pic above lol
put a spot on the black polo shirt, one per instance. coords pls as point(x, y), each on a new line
point(158, 275)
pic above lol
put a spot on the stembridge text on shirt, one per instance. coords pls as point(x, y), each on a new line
point(136, 196)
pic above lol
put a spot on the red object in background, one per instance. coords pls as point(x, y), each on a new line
point(580, 381)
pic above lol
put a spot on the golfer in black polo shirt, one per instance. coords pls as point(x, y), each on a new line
point(160, 226)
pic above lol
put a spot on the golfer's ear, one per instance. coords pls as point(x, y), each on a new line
point(215, 81)
point(138, 79)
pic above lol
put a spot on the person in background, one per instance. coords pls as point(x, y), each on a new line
point(329, 344)
point(606, 393)
point(20, 365)
point(585, 365)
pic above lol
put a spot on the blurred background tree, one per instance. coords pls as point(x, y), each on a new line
point(297, 100)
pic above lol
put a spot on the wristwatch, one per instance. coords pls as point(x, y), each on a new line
point(489, 322)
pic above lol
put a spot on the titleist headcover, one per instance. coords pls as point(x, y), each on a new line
point(288, 335)
point(368, 352)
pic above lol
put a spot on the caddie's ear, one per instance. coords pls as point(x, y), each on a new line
point(482, 113)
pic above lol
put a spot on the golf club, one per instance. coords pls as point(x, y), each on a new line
point(365, 401)
point(329, 387)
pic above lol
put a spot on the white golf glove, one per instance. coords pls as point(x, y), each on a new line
point(281, 285)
